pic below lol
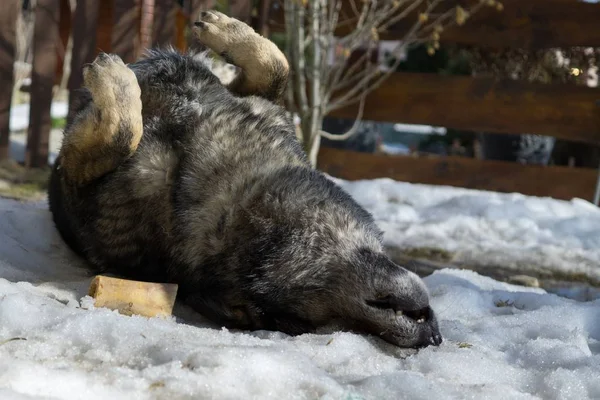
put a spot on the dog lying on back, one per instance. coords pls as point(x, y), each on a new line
point(167, 174)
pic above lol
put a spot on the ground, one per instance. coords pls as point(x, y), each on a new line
point(501, 341)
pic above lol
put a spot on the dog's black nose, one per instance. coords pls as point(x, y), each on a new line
point(436, 339)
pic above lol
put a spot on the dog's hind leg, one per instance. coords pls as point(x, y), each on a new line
point(264, 67)
point(108, 129)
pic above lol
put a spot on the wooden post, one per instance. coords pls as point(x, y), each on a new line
point(8, 37)
point(85, 25)
point(147, 17)
point(164, 23)
point(105, 21)
point(125, 40)
point(45, 40)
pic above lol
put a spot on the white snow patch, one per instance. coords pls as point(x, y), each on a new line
point(501, 341)
point(19, 114)
point(486, 228)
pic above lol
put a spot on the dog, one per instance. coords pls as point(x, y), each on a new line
point(168, 174)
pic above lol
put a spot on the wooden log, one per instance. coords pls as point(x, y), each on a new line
point(564, 111)
point(129, 297)
point(45, 60)
point(8, 38)
point(528, 24)
point(499, 176)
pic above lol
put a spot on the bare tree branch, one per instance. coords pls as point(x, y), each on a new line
point(354, 127)
point(319, 85)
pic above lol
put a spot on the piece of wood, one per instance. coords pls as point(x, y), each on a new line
point(564, 111)
point(45, 60)
point(8, 38)
point(530, 24)
point(130, 297)
point(499, 176)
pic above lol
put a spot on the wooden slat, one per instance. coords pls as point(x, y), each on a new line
point(557, 182)
point(530, 24)
point(8, 19)
point(45, 41)
point(484, 104)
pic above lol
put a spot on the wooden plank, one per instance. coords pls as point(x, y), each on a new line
point(8, 38)
point(532, 24)
point(485, 104)
point(45, 41)
point(557, 182)
point(125, 29)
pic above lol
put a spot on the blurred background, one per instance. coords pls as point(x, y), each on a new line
point(483, 100)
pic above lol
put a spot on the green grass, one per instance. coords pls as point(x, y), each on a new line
point(58, 123)
point(23, 183)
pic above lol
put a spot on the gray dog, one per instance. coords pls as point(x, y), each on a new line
point(168, 174)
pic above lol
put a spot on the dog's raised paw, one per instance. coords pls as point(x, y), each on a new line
point(221, 33)
point(110, 81)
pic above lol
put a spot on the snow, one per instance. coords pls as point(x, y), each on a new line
point(19, 121)
point(501, 341)
point(482, 228)
point(19, 114)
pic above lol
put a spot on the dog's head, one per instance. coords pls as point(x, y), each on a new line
point(379, 297)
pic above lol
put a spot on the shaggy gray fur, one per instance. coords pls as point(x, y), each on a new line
point(219, 198)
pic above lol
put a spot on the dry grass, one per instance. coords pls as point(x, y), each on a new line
point(18, 182)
